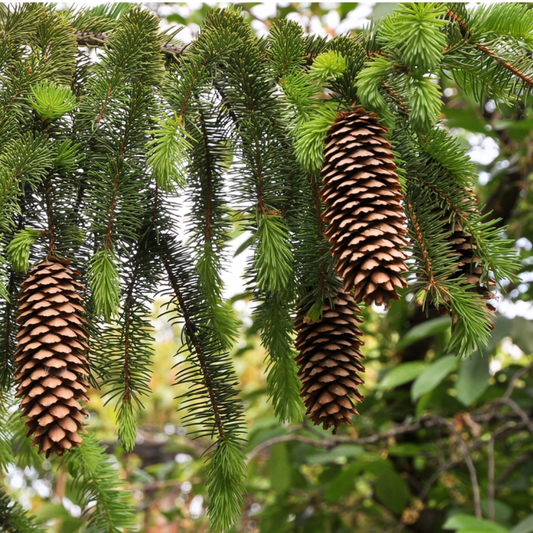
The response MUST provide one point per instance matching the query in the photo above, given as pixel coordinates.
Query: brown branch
(515, 378)
(454, 462)
(400, 103)
(465, 31)
(490, 478)
(515, 465)
(50, 214)
(189, 325)
(518, 73)
(520, 412)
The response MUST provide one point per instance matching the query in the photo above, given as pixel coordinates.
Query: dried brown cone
(366, 218)
(329, 362)
(50, 356)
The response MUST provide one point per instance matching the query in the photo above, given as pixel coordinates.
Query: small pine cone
(366, 218)
(50, 356)
(329, 361)
(465, 250)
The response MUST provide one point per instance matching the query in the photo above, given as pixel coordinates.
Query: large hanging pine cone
(50, 356)
(329, 361)
(366, 217)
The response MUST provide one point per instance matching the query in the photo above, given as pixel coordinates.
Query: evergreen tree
(331, 153)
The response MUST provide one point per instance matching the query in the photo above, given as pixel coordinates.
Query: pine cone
(466, 252)
(366, 219)
(329, 362)
(50, 356)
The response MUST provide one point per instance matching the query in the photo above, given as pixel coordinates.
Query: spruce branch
(94, 479)
(468, 32)
(171, 51)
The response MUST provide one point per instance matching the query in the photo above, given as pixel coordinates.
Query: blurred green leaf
(469, 524)
(342, 451)
(342, 485)
(424, 330)
(466, 118)
(280, 468)
(473, 378)
(402, 374)
(392, 490)
(432, 376)
(522, 334)
(525, 526)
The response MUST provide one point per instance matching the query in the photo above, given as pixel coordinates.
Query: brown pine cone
(366, 218)
(50, 356)
(329, 362)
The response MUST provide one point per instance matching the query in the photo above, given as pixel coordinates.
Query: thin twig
(465, 32)
(514, 380)
(519, 411)
(490, 481)
(468, 461)
(515, 465)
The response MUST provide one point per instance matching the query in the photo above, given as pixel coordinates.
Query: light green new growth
(225, 474)
(168, 153)
(413, 33)
(327, 65)
(309, 144)
(51, 101)
(273, 260)
(426, 103)
(127, 425)
(95, 480)
(18, 251)
(104, 281)
(370, 81)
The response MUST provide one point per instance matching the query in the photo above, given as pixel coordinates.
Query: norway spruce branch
(502, 43)
(125, 349)
(95, 479)
(209, 225)
(438, 276)
(118, 175)
(257, 116)
(209, 373)
(450, 177)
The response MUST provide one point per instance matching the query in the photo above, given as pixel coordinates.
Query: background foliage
(442, 444)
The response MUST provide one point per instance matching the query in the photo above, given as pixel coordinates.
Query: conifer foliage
(332, 156)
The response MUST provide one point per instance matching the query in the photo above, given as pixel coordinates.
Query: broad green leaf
(424, 330)
(522, 334)
(402, 374)
(464, 523)
(525, 526)
(502, 511)
(392, 490)
(467, 118)
(280, 468)
(343, 484)
(473, 378)
(432, 376)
